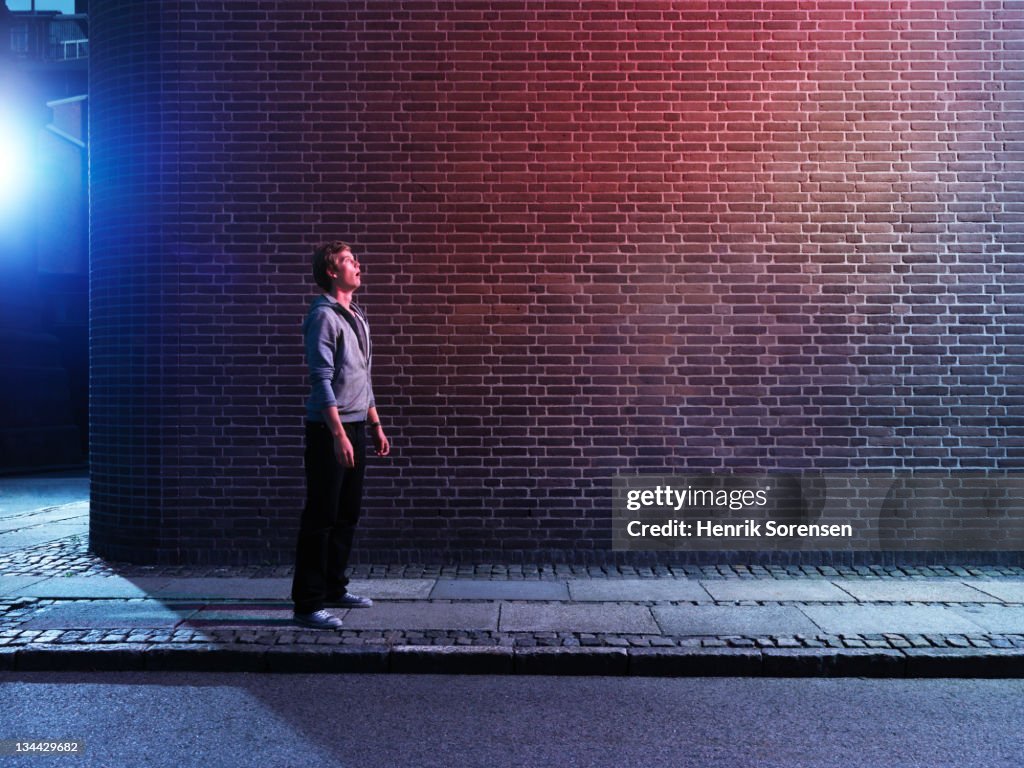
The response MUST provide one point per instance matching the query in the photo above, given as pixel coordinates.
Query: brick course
(597, 237)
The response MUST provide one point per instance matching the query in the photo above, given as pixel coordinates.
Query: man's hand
(380, 441)
(343, 450)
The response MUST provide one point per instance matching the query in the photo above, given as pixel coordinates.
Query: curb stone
(503, 660)
(571, 661)
(964, 662)
(338, 659)
(695, 662)
(203, 657)
(452, 660)
(112, 657)
(833, 662)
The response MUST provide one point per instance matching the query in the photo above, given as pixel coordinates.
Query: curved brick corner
(134, 239)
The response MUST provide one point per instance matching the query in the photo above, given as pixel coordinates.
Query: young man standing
(340, 409)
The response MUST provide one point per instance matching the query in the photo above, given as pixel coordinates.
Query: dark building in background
(596, 238)
(43, 240)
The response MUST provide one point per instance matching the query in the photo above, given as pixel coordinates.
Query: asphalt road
(365, 721)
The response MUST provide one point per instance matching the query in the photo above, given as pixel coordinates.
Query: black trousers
(334, 496)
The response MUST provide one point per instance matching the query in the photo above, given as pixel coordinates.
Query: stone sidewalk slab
(732, 620)
(246, 616)
(604, 617)
(15, 586)
(44, 534)
(880, 619)
(471, 589)
(1007, 591)
(280, 589)
(802, 591)
(226, 589)
(59, 587)
(392, 589)
(70, 514)
(998, 619)
(916, 590)
(212, 588)
(110, 614)
(422, 616)
(613, 590)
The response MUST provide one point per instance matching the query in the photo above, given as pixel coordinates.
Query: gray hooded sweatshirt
(338, 354)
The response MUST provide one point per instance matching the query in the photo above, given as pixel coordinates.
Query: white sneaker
(318, 620)
(348, 600)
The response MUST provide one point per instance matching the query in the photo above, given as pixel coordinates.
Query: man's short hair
(325, 258)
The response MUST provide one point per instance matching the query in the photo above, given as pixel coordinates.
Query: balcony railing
(49, 36)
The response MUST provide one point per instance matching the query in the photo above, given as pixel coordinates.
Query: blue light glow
(15, 167)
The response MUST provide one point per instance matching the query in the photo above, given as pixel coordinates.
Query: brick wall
(134, 304)
(597, 237)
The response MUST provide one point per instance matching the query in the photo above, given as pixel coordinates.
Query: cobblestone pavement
(285, 635)
(63, 607)
(71, 555)
(264, 625)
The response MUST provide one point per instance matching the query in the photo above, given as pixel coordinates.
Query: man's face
(348, 276)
